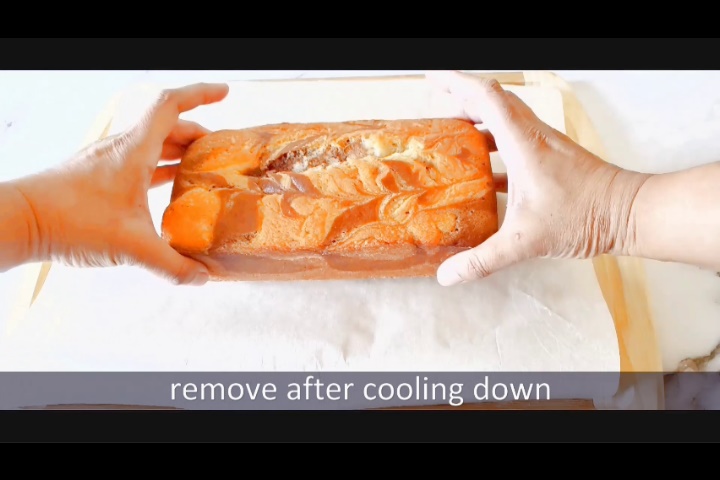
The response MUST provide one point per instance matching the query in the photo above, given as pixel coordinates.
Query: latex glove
(93, 210)
(563, 201)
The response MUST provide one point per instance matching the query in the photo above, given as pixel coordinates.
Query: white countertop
(651, 121)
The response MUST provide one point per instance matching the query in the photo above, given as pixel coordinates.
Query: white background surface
(651, 121)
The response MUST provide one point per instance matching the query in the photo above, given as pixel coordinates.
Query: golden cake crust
(358, 199)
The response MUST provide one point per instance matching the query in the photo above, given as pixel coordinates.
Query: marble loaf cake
(350, 200)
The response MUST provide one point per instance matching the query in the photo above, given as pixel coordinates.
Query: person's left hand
(93, 210)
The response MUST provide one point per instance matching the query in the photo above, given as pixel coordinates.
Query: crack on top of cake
(299, 160)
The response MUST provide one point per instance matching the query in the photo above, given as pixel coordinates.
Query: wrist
(37, 193)
(624, 190)
(19, 232)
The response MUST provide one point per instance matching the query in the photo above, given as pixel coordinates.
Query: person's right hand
(92, 211)
(563, 201)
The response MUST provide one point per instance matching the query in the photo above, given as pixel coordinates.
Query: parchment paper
(539, 316)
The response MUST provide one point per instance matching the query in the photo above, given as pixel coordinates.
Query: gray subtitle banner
(295, 390)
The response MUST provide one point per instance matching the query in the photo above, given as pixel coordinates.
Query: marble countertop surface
(653, 121)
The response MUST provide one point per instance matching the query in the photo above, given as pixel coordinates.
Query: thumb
(161, 258)
(497, 252)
